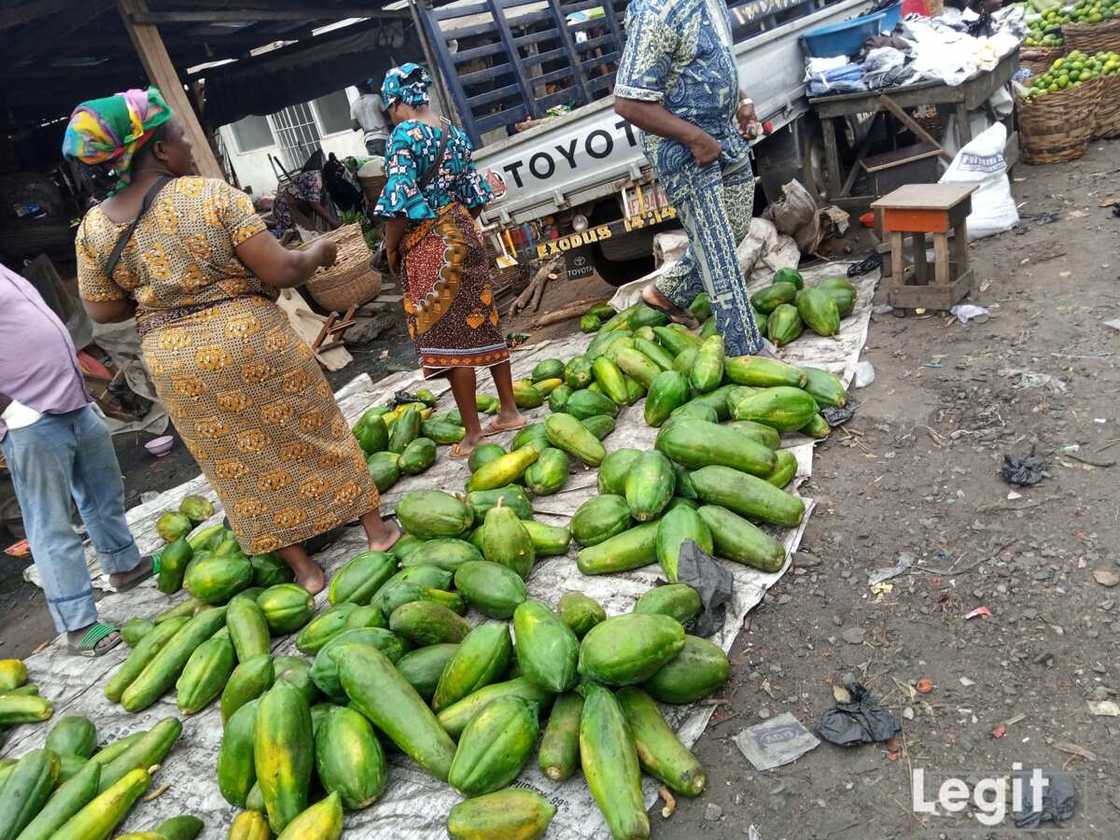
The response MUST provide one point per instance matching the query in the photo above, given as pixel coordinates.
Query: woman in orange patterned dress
(242, 388)
(431, 198)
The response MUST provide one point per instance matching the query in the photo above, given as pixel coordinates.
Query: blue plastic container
(844, 38)
(891, 19)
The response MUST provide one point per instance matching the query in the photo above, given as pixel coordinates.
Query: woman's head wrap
(408, 83)
(113, 129)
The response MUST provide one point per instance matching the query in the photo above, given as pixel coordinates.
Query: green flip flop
(99, 639)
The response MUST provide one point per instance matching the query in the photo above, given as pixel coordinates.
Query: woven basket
(1058, 126)
(1108, 108)
(372, 187)
(1092, 37)
(1039, 59)
(349, 282)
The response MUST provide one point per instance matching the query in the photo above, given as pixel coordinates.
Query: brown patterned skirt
(448, 302)
(249, 400)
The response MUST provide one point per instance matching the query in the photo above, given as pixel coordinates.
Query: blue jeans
(58, 457)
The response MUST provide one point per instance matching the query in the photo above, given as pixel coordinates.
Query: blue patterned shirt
(412, 149)
(678, 53)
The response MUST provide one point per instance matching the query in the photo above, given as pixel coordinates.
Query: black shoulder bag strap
(122, 242)
(433, 170)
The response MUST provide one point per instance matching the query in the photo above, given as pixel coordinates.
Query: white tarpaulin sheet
(414, 806)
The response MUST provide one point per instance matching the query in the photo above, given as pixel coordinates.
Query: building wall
(253, 168)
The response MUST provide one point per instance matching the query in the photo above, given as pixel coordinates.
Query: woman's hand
(748, 120)
(328, 252)
(705, 148)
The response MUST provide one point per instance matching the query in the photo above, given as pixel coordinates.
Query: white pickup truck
(578, 182)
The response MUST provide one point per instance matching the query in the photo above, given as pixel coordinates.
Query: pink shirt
(38, 362)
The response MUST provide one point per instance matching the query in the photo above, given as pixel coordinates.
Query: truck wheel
(619, 273)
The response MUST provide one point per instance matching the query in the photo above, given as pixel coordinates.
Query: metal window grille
(297, 134)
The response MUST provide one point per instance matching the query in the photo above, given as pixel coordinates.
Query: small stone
(1106, 577)
(764, 713)
(1101, 692)
(908, 713)
(853, 635)
(838, 621)
(712, 812)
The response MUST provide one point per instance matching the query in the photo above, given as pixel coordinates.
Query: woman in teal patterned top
(431, 200)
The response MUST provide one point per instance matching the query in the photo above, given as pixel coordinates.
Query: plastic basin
(844, 38)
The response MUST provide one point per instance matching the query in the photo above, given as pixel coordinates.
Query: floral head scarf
(408, 83)
(113, 129)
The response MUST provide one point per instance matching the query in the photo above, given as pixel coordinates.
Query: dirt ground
(917, 473)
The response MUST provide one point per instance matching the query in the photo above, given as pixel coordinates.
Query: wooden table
(960, 100)
(936, 211)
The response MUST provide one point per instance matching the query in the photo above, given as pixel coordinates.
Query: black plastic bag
(1023, 470)
(1059, 799)
(862, 721)
(711, 580)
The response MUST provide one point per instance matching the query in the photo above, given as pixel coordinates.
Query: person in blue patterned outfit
(431, 200)
(677, 81)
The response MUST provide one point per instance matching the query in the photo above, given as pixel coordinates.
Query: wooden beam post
(161, 72)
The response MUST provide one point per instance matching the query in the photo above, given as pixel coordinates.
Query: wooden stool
(333, 330)
(921, 210)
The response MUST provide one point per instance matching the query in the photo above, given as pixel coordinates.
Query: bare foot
(311, 577)
(652, 297)
(506, 422)
(384, 537)
(466, 446)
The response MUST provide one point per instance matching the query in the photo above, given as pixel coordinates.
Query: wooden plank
(558, 98)
(603, 82)
(831, 157)
(452, 12)
(550, 34)
(491, 96)
(930, 297)
(903, 220)
(443, 95)
(463, 56)
(942, 264)
(47, 35)
(926, 197)
(612, 18)
(861, 153)
(562, 74)
(251, 15)
(508, 116)
(913, 125)
(918, 256)
(898, 259)
(28, 12)
(960, 247)
(488, 74)
(979, 90)
(161, 72)
(580, 89)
